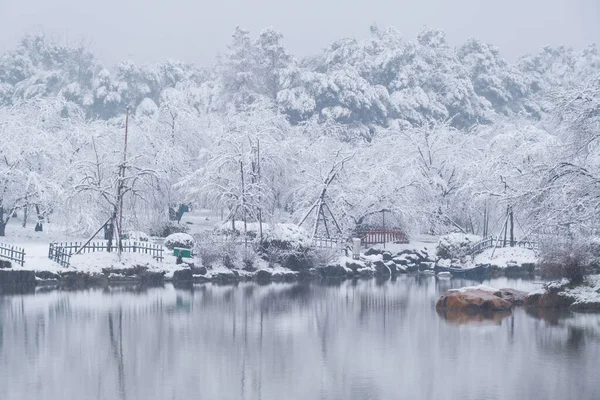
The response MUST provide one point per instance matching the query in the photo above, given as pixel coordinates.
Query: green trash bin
(185, 253)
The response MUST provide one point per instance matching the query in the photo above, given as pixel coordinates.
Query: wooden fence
(489, 242)
(62, 252)
(320, 242)
(13, 253)
(371, 236)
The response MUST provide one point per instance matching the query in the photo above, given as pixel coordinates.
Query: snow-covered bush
(455, 245)
(179, 240)
(137, 236)
(572, 259)
(288, 245)
(168, 228)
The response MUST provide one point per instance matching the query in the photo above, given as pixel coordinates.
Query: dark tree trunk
(25, 215)
(3, 222)
(109, 231)
(39, 227)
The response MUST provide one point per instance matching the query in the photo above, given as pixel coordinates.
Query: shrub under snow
(183, 240)
(137, 236)
(455, 245)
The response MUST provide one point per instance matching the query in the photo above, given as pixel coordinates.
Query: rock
(226, 277)
(381, 269)
(387, 256)
(17, 278)
(366, 272)
(5, 264)
(47, 275)
(333, 270)
(355, 266)
(426, 265)
(517, 297)
(548, 298)
(400, 261)
(372, 251)
(199, 270)
(309, 274)
(587, 306)
(412, 267)
(392, 266)
(183, 275)
(263, 275)
(200, 279)
(444, 274)
(81, 280)
(474, 299)
(152, 278)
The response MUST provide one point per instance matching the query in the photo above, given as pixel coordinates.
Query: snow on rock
(478, 287)
(586, 297)
(473, 298)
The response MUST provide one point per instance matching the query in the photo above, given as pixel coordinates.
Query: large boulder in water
(475, 299)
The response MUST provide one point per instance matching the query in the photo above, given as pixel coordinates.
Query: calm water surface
(363, 340)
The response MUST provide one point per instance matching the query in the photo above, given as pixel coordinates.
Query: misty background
(148, 31)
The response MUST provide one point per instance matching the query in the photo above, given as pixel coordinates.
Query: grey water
(350, 340)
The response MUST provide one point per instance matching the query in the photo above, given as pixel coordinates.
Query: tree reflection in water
(361, 339)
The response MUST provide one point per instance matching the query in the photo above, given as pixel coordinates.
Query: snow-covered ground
(36, 243)
(36, 252)
(504, 256)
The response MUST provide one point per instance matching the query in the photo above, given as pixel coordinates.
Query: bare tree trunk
(39, 227)
(484, 232)
(25, 215)
(512, 228)
(244, 204)
(3, 221)
(109, 233)
(259, 206)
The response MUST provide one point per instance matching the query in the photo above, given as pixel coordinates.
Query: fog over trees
(443, 137)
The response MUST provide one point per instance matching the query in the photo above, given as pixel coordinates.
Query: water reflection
(467, 317)
(351, 340)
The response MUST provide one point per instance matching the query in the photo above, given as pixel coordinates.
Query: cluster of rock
(562, 294)
(381, 263)
(552, 295)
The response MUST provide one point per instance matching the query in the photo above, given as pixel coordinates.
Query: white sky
(196, 30)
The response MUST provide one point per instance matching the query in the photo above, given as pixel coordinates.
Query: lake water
(361, 340)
